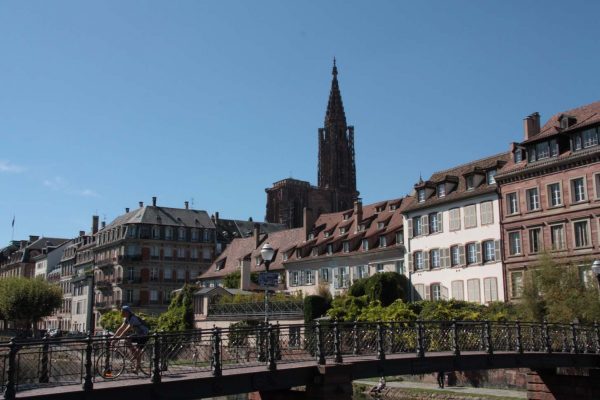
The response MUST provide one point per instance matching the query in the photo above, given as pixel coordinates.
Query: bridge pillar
(334, 382)
(547, 384)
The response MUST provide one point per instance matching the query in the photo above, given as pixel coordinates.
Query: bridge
(271, 359)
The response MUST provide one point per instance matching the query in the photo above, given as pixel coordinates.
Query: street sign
(268, 279)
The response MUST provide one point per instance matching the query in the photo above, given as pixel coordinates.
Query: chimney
(103, 224)
(33, 238)
(187, 205)
(216, 217)
(141, 204)
(81, 233)
(126, 210)
(95, 220)
(307, 221)
(153, 201)
(256, 234)
(23, 244)
(358, 212)
(531, 125)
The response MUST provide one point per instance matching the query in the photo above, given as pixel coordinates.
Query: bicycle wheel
(146, 361)
(109, 365)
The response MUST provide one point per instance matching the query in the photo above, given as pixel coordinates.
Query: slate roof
(229, 229)
(460, 191)
(166, 216)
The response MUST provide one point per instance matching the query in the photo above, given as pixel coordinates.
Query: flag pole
(12, 235)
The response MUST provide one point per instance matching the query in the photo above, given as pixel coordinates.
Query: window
(420, 291)
(361, 227)
(470, 182)
(491, 176)
(473, 290)
(194, 234)
(315, 251)
(154, 295)
(181, 234)
(155, 232)
(400, 267)
(470, 216)
(512, 203)
(181, 253)
(382, 241)
(514, 243)
(154, 274)
(399, 237)
(380, 225)
(257, 260)
(557, 236)
(434, 223)
(324, 275)
(380, 268)
(418, 260)
(194, 253)
(487, 213)
(310, 277)
(489, 251)
(417, 226)
(533, 199)
(361, 272)
(311, 236)
(129, 296)
(180, 275)
(535, 240)
(206, 254)
(342, 231)
(421, 195)
(295, 278)
(365, 244)
(471, 253)
(436, 292)
(597, 185)
(455, 256)
(581, 233)
(518, 155)
(154, 252)
(435, 258)
(516, 284)
(454, 219)
(329, 249)
(168, 233)
(346, 246)
(578, 190)
(490, 289)
(441, 190)
(458, 290)
(284, 255)
(167, 274)
(554, 195)
(130, 273)
(590, 138)
(326, 233)
(342, 280)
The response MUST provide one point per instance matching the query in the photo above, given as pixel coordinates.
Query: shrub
(385, 287)
(315, 307)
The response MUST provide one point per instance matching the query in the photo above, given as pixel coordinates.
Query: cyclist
(136, 332)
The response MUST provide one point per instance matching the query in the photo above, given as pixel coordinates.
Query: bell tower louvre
(336, 187)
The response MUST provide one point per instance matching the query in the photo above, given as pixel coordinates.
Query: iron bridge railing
(28, 364)
(257, 309)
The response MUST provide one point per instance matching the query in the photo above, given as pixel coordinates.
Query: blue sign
(268, 279)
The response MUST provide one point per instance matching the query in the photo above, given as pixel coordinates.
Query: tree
(315, 307)
(232, 280)
(386, 287)
(28, 300)
(180, 314)
(111, 320)
(555, 292)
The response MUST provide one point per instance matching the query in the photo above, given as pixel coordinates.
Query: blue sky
(104, 104)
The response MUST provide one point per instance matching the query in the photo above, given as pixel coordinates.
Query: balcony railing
(135, 257)
(104, 264)
(250, 310)
(104, 284)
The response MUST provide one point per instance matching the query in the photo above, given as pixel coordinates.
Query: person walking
(440, 379)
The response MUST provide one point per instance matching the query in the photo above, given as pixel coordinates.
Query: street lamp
(596, 270)
(267, 255)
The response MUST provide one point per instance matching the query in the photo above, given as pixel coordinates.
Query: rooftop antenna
(192, 202)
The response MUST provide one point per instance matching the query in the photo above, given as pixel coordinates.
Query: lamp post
(596, 270)
(267, 255)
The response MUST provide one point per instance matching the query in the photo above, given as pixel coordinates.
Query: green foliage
(111, 320)
(315, 307)
(358, 288)
(448, 310)
(386, 287)
(556, 293)
(180, 314)
(347, 308)
(28, 300)
(254, 277)
(258, 297)
(232, 281)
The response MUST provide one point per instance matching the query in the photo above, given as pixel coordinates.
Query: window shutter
(409, 226)
(443, 258)
(427, 292)
(440, 222)
(426, 260)
(478, 252)
(498, 254)
(425, 224)
(410, 262)
(444, 291)
(463, 260)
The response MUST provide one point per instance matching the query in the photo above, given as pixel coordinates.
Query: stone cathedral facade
(336, 189)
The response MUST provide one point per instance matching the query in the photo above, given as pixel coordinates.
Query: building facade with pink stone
(550, 194)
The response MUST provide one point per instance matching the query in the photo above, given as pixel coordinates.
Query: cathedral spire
(335, 115)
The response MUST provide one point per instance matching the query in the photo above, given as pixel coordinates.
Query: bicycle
(111, 364)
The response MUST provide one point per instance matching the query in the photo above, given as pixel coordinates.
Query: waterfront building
(452, 229)
(550, 192)
(18, 258)
(336, 188)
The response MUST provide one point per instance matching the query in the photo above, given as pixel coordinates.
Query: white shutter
(409, 226)
(473, 290)
(498, 252)
(410, 262)
(425, 224)
(440, 222)
(478, 255)
(427, 292)
(463, 260)
(426, 261)
(458, 292)
(444, 291)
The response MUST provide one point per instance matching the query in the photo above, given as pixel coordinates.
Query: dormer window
(327, 234)
(421, 195)
(329, 249)
(315, 251)
(379, 209)
(365, 244)
(284, 256)
(346, 246)
(382, 241)
(470, 182)
(567, 121)
(257, 260)
(393, 207)
(441, 190)
(346, 216)
(311, 236)
(342, 231)
(380, 225)
(399, 237)
(361, 227)
(298, 253)
(491, 176)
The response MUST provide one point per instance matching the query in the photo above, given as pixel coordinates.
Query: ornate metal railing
(257, 309)
(26, 364)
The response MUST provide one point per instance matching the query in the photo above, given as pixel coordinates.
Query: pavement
(517, 394)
